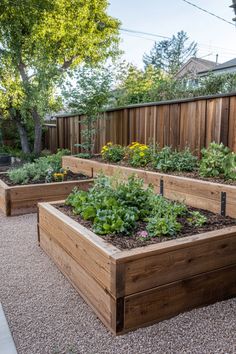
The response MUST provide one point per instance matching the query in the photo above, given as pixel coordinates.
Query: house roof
(228, 64)
(200, 63)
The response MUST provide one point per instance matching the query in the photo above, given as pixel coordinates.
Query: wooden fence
(190, 122)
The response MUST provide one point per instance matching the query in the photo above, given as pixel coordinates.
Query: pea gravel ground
(46, 315)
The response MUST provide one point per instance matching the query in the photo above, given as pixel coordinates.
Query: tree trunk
(37, 132)
(23, 138)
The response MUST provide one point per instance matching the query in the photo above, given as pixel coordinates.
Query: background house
(193, 66)
(229, 67)
(196, 67)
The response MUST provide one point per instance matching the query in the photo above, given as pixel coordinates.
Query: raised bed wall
(133, 288)
(17, 200)
(215, 197)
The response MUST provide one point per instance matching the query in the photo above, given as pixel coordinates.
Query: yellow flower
(141, 154)
(110, 143)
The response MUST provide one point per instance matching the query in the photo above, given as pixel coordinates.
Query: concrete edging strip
(7, 345)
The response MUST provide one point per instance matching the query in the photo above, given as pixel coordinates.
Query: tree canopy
(39, 41)
(169, 55)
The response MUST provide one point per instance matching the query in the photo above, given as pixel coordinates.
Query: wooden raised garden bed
(132, 288)
(215, 197)
(18, 200)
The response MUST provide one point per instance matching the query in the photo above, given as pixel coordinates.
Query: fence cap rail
(148, 104)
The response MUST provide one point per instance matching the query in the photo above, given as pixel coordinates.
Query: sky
(166, 18)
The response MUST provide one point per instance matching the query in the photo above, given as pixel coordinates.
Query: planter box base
(18, 200)
(138, 287)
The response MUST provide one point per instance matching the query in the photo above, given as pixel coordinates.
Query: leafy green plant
(115, 206)
(229, 166)
(43, 168)
(167, 159)
(218, 161)
(113, 152)
(83, 155)
(167, 226)
(197, 219)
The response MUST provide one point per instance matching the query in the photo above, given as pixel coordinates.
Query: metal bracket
(223, 203)
(162, 187)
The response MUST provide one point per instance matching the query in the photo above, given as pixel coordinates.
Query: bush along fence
(191, 122)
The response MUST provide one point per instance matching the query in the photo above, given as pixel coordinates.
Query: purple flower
(143, 234)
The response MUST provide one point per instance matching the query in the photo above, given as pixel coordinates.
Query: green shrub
(218, 161)
(43, 168)
(115, 207)
(167, 159)
(113, 152)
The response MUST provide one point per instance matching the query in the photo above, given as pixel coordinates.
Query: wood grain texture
(94, 294)
(18, 200)
(163, 266)
(87, 249)
(194, 123)
(133, 288)
(3, 197)
(169, 300)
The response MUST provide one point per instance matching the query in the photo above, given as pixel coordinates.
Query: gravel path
(47, 316)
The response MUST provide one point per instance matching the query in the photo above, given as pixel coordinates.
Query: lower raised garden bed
(133, 288)
(215, 197)
(18, 200)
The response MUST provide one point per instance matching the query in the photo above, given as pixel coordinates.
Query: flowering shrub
(113, 152)
(138, 155)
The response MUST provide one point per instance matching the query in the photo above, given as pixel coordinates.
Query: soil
(193, 174)
(121, 241)
(70, 177)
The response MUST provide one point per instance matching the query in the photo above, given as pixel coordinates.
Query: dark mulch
(214, 222)
(194, 174)
(70, 177)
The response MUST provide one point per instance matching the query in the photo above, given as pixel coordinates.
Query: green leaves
(218, 161)
(167, 159)
(115, 206)
(39, 42)
(197, 219)
(88, 96)
(170, 54)
(113, 152)
(41, 169)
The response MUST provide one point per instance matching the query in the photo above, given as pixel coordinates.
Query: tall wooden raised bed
(129, 289)
(215, 197)
(17, 200)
